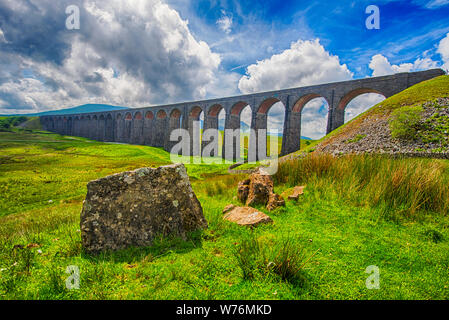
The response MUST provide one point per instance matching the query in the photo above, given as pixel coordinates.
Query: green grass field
(343, 223)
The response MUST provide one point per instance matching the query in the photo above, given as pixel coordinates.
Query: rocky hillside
(415, 121)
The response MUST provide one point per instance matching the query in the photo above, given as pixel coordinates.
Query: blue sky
(145, 52)
(409, 29)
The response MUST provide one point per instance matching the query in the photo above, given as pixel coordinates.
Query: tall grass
(284, 258)
(398, 187)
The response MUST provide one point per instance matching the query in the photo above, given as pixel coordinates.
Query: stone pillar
(137, 129)
(93, 128)
(291, 140)
(109, 129)
(231, 139)
(127, 131)
(210, 122)
(148, 132)
(257, 148)
(119, 128)
(69, 126)
(336, 116)
(160, 131)
(173, 124)
(101, 128)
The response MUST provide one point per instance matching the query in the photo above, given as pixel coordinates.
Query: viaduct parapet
(152, 125)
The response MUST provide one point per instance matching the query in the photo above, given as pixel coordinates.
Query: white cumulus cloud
(131, 53)
(305, 63)
(225, 23)
(381, 66)
(443, 50)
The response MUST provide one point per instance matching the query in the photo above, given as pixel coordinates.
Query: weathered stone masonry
(152, 126)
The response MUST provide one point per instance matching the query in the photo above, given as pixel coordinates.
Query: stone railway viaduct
(152, 125)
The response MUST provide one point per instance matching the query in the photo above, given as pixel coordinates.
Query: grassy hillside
(43, 183)
(424, 92)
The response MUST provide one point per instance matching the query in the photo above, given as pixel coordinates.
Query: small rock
(297, 191)
(260, 188)
(247, 216)
(275, 201)
(228, 208)
(243, 190)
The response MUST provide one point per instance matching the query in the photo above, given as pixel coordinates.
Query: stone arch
(161, 114)
(194, 127)
(233, 148)
(138, 116)
(149, 115)
(212, 134)
(353, 94)
(215, 110)
(175, 114)
(361, 103)
(316, 109)
(302, 101)
(338, 113)
(265, 106)
(300, 113)
(265, 122)
(195, 112)
(175, 119)
(238, 107)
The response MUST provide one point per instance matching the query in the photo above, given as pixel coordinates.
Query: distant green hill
(75, 110)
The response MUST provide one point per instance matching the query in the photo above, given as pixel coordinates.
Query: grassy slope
(35, 168)
(417, 94)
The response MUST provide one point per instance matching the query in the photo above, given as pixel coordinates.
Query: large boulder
(132, 208)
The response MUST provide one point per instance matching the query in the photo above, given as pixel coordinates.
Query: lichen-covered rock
(275, 201)
(243, 190)
(246, 216)
(132, 208)
(228, 208)
(259, 190)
